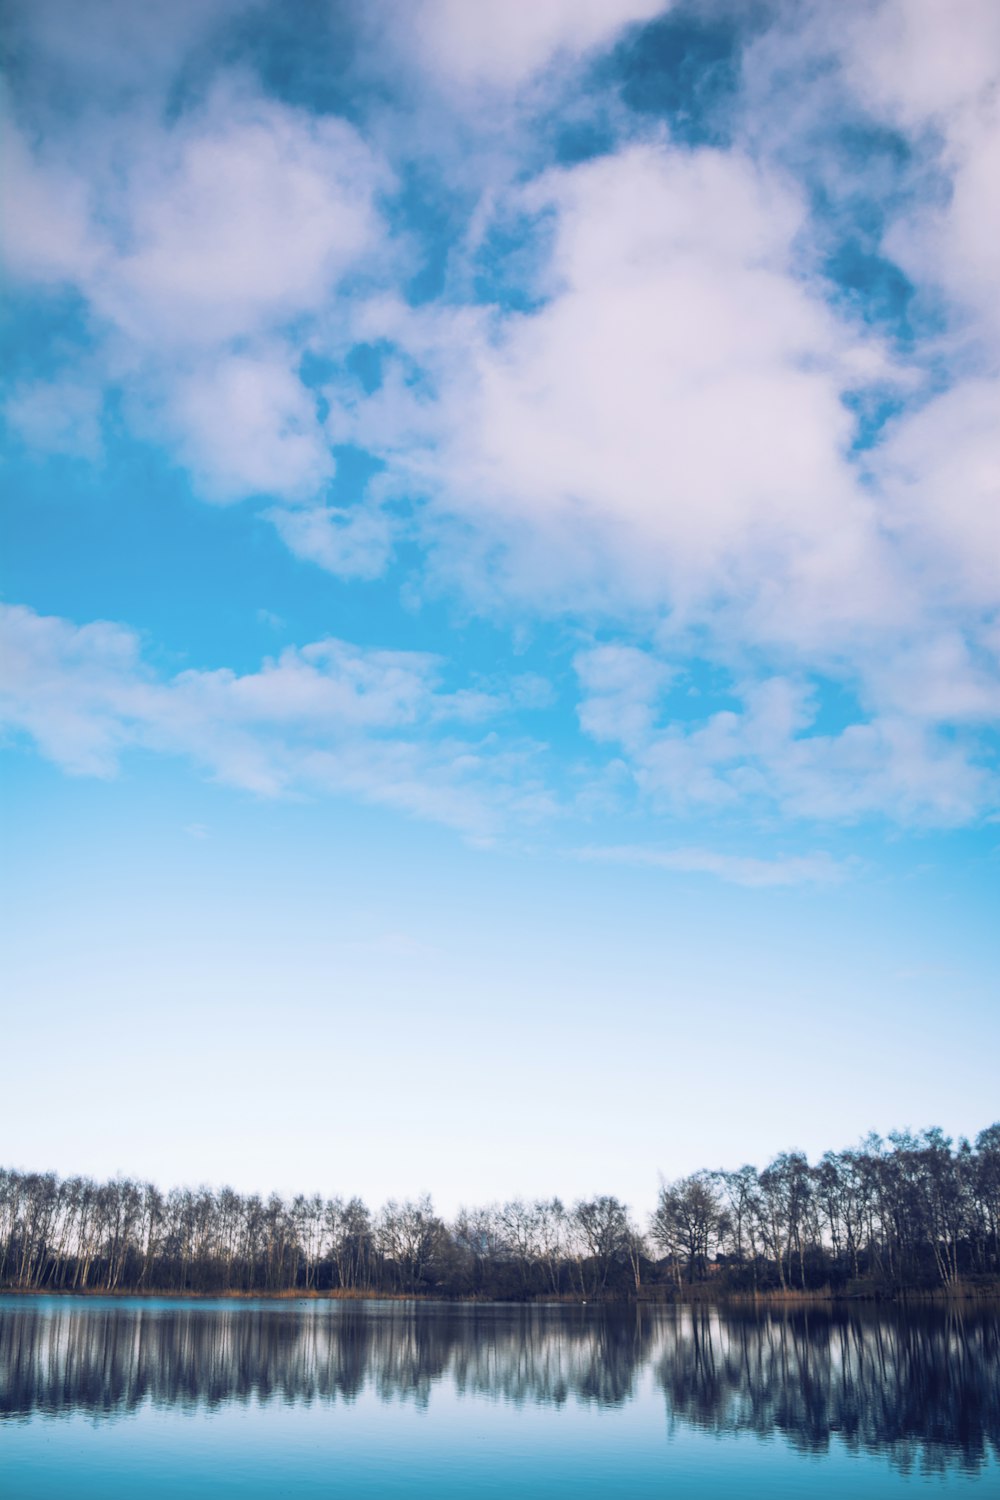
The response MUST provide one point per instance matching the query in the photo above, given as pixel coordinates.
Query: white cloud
(70, 688)
(622, 686)
(939, 469)
(932, 68)
(665, 441)
(505, 45)
(327, 717)
(50, 238)
(195, 244)
(736, 869)
(942, 679)
(245, 424)
(922, 59)
(769, 755)
(244, 214)
(929, 72)
(350, 543)
(668, 428)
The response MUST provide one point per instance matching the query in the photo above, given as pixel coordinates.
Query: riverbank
(969, 1288)
(657, 1294)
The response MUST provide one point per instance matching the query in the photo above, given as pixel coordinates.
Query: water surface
(117, 1398)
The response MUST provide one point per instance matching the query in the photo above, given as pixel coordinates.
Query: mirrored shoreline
(919, 1388)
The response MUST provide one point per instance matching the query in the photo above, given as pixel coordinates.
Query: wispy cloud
(907, 763)
(57, 416)
(327, 717)
(736, 869)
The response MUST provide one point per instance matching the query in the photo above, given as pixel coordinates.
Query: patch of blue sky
(868, 284)
(581, 140)
(307, 55)
(684, 68)
(434, 213)
(128, 541)
(872, 409)
(364, 362)
(509, 263)
(44, 332)
(864, 281)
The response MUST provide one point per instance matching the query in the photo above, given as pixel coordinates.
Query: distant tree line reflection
(911, 1211)
(922, 1389)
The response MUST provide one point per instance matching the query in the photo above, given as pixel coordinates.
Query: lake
(114, 1398)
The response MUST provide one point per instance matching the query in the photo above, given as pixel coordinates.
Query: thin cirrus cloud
(57, 416)
(736, 869)
(329, 717)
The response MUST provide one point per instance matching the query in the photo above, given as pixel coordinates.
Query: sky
(500, 595)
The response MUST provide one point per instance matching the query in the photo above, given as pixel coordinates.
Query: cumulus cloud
(939, 471)
(238, 214)
(770, 755)
(243, 214)
(928, 70)
(245, 424)
(209, 235)
(923, 77)
(330, 717)
(670, 422)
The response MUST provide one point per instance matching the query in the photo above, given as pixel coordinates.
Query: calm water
(122, 1398)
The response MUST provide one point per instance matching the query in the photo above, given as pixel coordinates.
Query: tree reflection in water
(918, 1386)
(915, 1386)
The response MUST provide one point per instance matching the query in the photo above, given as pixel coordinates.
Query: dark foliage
(913, 1211)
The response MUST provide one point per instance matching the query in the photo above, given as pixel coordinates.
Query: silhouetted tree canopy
(910, 1211)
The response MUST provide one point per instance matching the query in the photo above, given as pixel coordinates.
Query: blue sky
(500, 587)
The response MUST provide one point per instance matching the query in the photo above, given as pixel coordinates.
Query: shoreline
(653, 1296)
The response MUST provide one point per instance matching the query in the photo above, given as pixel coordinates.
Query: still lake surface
(115, 1398)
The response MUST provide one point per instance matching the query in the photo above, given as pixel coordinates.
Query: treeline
(913, 1211)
